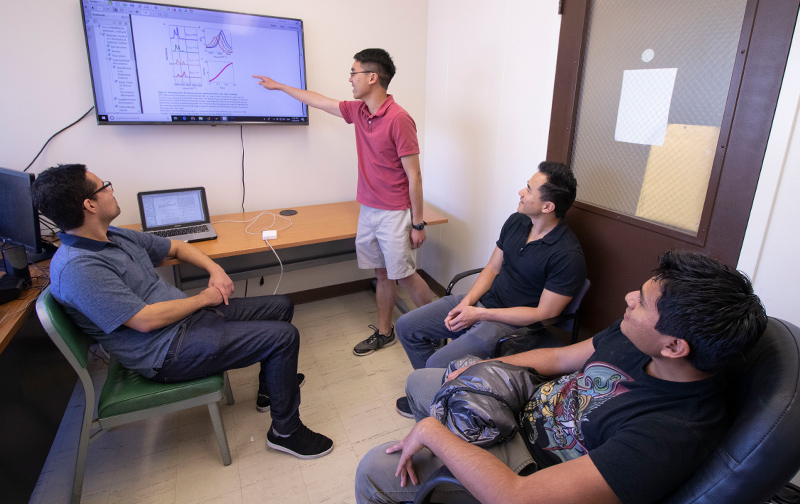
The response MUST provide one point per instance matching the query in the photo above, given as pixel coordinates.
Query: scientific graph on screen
(157, 63)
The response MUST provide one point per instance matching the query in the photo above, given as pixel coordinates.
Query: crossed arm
(489, 479)
(466, 314)
(158, 315)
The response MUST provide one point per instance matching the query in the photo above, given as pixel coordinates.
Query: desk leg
(401, 305)
(176, 275)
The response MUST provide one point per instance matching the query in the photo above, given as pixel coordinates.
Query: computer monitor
(19, 220)
(164, 64)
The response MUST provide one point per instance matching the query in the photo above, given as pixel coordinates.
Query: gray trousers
(375, 479)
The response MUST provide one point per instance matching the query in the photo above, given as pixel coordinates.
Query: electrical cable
(48, 224)
(241, 138)
(47, 220)
(254, 219)
(247, 230)
(54, 135)
(279, 262)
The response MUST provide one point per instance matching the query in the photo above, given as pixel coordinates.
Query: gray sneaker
(374, 342)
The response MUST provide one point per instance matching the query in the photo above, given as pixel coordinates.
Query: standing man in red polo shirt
(390, 225)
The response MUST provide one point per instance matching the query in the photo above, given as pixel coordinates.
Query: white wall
(491, 67)
(46, 85)
(771, 244)
(477, 77)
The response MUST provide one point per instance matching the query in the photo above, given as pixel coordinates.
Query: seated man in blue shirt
(105, 279)
(628, 416)
(537, 266)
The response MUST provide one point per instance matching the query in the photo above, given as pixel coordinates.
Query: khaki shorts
(383, 240)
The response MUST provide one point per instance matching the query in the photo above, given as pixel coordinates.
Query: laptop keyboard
(166, 233)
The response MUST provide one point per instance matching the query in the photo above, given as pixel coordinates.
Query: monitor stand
(48, 249)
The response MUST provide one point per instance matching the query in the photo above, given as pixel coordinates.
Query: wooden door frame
(762, 52)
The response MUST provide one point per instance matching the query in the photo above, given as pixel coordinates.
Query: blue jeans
(246, 331)
(418, 329)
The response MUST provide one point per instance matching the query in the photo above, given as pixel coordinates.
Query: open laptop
(177, 214)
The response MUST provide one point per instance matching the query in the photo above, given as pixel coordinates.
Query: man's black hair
(378, 61)
(711, 306)
(58, 193)
(560, 188)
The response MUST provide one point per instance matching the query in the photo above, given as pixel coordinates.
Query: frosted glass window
(656, 169)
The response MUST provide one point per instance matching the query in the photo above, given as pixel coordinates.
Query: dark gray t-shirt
(103, 284)
(646, 436)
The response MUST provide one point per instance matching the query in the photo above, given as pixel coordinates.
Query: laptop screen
(174, 207)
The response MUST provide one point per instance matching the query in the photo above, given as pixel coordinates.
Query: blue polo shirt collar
(84, 243)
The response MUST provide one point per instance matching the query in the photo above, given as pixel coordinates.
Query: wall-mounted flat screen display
(167, 64)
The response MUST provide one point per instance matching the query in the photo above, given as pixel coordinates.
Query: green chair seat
(126, 391)
(126, 396)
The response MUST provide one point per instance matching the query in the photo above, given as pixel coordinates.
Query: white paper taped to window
(644, 105)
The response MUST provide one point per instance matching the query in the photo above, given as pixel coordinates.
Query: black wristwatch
(419, 227)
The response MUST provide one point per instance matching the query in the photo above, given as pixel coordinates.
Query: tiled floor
(175, 459)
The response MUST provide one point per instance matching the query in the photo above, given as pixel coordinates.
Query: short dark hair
(560, 188)
(58, 193)
(709, 305)
(378, 61)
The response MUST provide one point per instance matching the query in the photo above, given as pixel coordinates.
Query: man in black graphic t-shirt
(632, 414)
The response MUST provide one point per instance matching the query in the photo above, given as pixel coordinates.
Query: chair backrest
(68, 337)
(572, 308)
(760, 452)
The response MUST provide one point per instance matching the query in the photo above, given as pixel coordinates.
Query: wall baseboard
(343, 289)
(435, 286)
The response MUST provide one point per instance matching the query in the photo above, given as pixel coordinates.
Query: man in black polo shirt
(535, 270)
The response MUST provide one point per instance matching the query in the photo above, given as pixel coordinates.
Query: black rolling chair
(535, 335)
(761, 451)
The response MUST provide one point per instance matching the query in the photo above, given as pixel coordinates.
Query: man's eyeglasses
(352, 73)
(105, 185)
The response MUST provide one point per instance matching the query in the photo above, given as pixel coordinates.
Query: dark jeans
(246, 331)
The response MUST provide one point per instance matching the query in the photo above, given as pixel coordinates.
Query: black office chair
(535, 335)
(760, 452)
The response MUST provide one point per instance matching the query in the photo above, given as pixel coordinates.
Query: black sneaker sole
(404, 413)
(401, 411)
(265, 409)
(370, 352)
(298, 455)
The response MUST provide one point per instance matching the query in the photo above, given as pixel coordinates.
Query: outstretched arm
(546, 361)
(310, 98)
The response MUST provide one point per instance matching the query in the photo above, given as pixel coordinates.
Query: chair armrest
(535, 330)
(442, 476)
(554, 320)
(458, 277)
